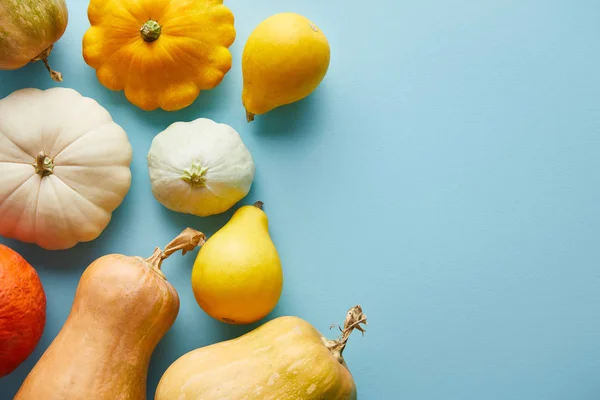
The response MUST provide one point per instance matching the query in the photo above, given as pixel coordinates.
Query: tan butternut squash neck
(354, 319)
(185, 241)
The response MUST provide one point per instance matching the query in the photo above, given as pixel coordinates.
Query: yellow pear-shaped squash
(162, 53)
(237, 276)
(284, 60)
(284, 359)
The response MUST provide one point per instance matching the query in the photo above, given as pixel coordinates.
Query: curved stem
(354, 319)
(55, 75)
(186, 241)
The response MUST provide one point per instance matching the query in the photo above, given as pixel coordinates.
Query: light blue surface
(445, 175)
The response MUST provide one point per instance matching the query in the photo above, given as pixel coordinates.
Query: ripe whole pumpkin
(64, 167)
(22, 310)
(28, 31)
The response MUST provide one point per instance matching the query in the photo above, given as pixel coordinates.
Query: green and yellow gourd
(28, 31)
(284, 359)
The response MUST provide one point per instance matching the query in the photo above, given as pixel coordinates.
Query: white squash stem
(43, 164)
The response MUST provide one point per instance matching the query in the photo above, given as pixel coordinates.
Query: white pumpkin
(200, 167)
(64, 167)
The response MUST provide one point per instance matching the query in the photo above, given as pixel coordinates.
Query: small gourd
(64, 167)
(284, 359)
(200, 167)
(123, 307)
(28, 31)
(162, 53)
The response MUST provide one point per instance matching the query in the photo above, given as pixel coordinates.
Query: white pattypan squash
(200, 167)
(64, 167)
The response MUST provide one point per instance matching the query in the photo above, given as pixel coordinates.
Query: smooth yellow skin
(284, 359)
(191, 54)
(237, 276)
(285, 59)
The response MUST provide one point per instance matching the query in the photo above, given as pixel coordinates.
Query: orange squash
(123, 307)
(22, 310)
(162, 53)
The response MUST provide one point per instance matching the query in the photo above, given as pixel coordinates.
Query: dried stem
(186, 241)
(55, 75)
(249, 116)
(259, 204)
(354, 319)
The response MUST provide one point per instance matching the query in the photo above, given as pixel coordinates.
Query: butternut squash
(284, 359)
(123, 307)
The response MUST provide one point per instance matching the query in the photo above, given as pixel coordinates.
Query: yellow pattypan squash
(162, 53)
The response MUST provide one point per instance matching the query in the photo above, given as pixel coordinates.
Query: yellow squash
(284, 60)
(162, 53)
(284, 359)
(237, 276)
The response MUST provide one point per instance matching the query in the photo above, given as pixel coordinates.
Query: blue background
(445, 176)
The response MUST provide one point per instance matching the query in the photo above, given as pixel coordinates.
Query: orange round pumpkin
(22, 310)
(162, 53)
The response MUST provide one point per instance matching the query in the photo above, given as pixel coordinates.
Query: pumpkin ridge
(180, 60)
(202, 82)
(215, 47)
(106, 61)
(37, 208)
(16, 144)
(222, 39)
(12, 194)
(80, 137)
(80, 195)
(119, 5)
(174, 9)
(114, 190)
(60, 207)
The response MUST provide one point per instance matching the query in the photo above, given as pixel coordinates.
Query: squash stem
(150, 31)
(249, 116)
(354, 319)
(195, 175)
(186, 241)
(55, 75)
(43, 164)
